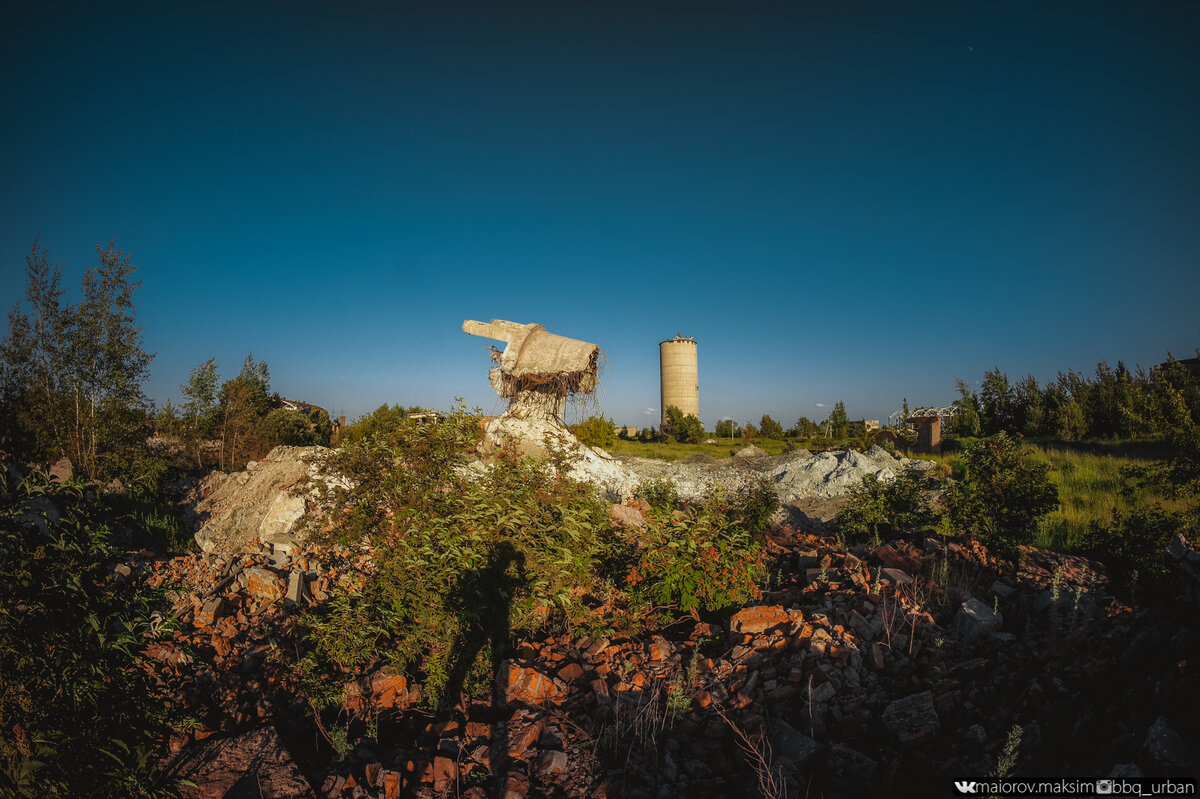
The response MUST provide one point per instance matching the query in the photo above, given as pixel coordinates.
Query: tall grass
(1089, 490)
(1088, 476)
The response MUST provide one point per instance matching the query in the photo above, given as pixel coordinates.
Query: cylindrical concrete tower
(679, 375)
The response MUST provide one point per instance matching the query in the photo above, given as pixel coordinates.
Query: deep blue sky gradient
(839, 200)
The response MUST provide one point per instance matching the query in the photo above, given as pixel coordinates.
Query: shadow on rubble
(482, 601)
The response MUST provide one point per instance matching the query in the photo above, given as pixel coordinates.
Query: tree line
(1113, 404)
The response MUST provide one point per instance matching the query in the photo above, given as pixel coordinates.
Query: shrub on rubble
(1002, 495)
(462, 559)
(875, 507)
(701, 559)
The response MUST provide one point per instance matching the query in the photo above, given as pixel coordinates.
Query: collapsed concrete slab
(537, 370)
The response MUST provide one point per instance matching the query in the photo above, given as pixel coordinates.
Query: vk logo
(964, 787)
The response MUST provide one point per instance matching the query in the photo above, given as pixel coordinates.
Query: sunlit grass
(1089, 490)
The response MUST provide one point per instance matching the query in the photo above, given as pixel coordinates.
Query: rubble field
(894, 670)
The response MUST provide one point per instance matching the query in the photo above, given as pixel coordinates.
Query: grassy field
(1088, 476)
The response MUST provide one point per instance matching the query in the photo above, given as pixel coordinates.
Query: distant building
(628, 431)
(297, 405)
(929, 433)
(1191, 364)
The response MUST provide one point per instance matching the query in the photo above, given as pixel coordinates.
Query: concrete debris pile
(836, 473)
(265, 502)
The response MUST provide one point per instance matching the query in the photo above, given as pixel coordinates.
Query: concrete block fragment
(297, 589)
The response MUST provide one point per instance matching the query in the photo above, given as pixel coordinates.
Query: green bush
(79, 715)
(464, 560)
(875, 507)
(661, 493)
(1001, 497)
(754, 507)
(596, 431)
(706, 560)
(461, 562)
(1134, 545)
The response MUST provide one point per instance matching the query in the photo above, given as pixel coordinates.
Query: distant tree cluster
(240, 421)
(686, 429)
(596, 431)
(1115, 403)
(384, 424)
(71, 374)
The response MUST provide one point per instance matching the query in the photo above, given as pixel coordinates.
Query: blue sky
(839, 200)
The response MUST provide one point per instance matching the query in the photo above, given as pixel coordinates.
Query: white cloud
(649, 411)
(820, 405)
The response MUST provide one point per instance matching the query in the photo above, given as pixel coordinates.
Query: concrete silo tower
(679, 375)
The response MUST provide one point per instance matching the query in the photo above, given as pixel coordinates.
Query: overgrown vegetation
(596, 431)
(700, 559)
(1002, 495)
(242, 421)
(71, 374)
(466, 560)
(686, 429)
(876, 509)
(80, 715)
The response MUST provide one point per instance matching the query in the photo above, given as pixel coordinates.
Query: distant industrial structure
(679, 375)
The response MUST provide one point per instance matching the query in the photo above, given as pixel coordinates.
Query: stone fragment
(522, 684)
(750, 621)
(445, 773)
(911, 718)
(660, 648)
(62, 470)
(391, 785)
(794, 752)
(281, 518)
(823, 692)
(264, 583)
(975, 619)
(297, 589)
(1166, 747)
(210, 611)
(897, 576)
(570, 672)
(516, 786)
(389, 690)
(623, 515)
(221, 767)
(894, 559)
(750, 452)
(554, 762)
(852, 770)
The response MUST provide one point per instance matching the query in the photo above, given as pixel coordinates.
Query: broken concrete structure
(537, 370)
(929, 433)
